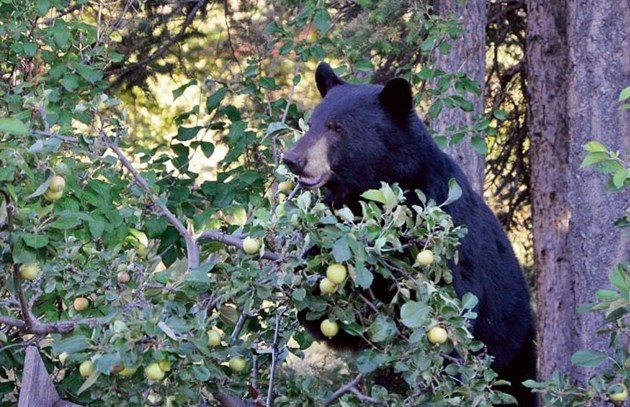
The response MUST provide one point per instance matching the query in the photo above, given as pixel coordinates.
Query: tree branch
(344, 389)
(162, 50)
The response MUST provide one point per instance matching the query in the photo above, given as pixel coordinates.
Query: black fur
(375, 135)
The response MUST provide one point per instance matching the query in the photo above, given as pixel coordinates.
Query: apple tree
(144, 282)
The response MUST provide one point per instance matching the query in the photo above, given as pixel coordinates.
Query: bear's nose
(293, 161)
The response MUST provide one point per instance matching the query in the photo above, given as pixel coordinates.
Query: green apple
(329, 328)
(214, 337)
(154, 372)
(86, 368)
(128, 371)
(437, 335)
(53, 195)
(29, 271)
(425, 257)
(327, 287)
(237, 363)
(251, 245)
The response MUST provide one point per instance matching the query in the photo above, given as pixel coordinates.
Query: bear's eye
(335, 127)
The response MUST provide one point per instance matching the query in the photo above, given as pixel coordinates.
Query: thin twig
(274, 359)
(344, 389)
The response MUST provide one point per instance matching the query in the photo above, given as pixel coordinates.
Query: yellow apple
(53, 195)
(86, 368)
(327, 287)
(329, 328)
(237, 363)
(425, 257)
(81, 303)
(154, 372)
(29, 271)
(437, 335)
(251, 245)
(128, 371)
(165, 365)
(285, 186)
(336, 273)
(56, 183)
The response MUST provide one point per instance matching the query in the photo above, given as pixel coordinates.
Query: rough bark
(468, 55)
(578, 57)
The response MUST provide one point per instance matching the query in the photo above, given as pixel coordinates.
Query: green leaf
(321, 19)
(464, 104)
(213, 101)
(369, 360)
(500, 115)
(620, 279)
(187, 133)
(435, 109)
(414, 314)
(619, 179)
(201, 373)
(374, 195)
(12, 125)
(67, 220)
(469, 301)
(595, 147)
(362, 276)
(382, 329)
(479, 145)
(96, 226)
(341, 251)
(34, 241)
(588, 358)
(454, 191)
(625, 94)
(593, 158)
(180, 91)
(73, 344)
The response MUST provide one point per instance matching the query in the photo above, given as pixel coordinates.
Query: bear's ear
(396, 97)
(326, 78)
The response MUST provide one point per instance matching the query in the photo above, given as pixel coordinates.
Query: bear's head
(359, 135)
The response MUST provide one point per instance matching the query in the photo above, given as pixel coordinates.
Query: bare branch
(162, 50)
(344, 389)
(274, 359)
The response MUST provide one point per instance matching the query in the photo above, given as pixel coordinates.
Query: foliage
(154, 243)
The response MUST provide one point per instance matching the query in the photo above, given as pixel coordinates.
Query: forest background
(166, 121)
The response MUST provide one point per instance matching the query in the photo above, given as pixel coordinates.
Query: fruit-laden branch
(192, 242)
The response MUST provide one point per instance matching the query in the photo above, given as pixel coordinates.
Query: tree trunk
(578, 57)
(468, 55)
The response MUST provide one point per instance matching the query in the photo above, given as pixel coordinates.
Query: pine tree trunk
(578, 57)
(468, 55)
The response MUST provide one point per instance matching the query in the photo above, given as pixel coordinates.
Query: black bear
(361, 135)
